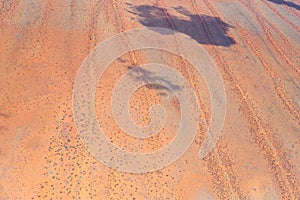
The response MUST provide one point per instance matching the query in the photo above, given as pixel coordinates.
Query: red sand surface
(255, 45)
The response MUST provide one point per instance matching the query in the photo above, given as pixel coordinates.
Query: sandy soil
(255, 45)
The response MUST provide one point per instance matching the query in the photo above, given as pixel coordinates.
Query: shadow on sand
(202, 28)
(287, 3)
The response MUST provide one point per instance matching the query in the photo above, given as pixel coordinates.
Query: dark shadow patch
(202, 28)
(287, 3)
(149, 77)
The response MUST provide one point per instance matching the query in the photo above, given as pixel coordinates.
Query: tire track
(45, 20)
(225, 157)
(93, 36)
(113, 190)
(136, 60)
(135, 57)
(186, 70)
(288, 104)
(275, 79)
(281, 16)
(121, 27)
(292, 10)
(261, 20)
(219, 167)
(272, 150)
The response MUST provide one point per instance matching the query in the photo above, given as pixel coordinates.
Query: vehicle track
(41, 53)
(281, 16)
(263, 22)
(219, 167)
(292, 10)
(281, 93)
(271, 73)
(276, 80)
(281, 168)
(92, 28)
(136, 60)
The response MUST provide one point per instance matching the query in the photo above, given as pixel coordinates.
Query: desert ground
(255, 46)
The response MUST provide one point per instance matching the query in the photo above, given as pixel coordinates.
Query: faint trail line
(134, 56)
(262, 21)
(135, 59)
(265, 140)
(93, 38)
(275, 79)
(92, 28)
(291, 10)
(232, 185)
(186, 69)
(281, 16)
(46, 16)
(224, 64)
(44, 23)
